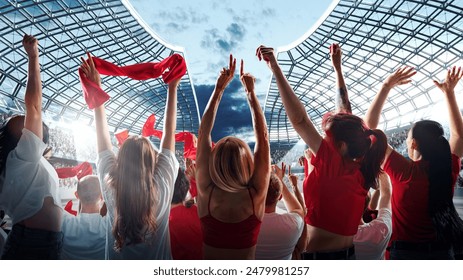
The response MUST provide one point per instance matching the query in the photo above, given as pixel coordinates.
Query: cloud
(179, 20)
(269, 12)
(224, 42)
(236, 31)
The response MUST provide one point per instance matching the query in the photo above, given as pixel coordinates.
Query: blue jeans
(403, 250)
(32, 244)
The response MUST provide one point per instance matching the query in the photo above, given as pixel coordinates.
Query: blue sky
(210, 30)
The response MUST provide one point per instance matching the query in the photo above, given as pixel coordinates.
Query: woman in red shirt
(346, 163)
(425, 222)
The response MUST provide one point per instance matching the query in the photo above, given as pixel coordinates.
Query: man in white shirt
(372, 238)
(85, 234)
(279, 233)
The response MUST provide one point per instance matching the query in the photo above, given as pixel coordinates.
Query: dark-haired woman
(425, 222)
(346, 163)
(28, 183)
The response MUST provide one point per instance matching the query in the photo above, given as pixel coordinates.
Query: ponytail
(435, 150)
(374, 157)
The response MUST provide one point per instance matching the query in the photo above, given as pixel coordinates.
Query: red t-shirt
(186, 237)
(410, 218)
(333, 192)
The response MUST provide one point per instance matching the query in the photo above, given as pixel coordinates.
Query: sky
(210, 30)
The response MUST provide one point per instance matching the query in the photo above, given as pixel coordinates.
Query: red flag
(121, 136)
(68, 208)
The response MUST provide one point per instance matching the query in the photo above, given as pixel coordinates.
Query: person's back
(279, 232)
(85, 234)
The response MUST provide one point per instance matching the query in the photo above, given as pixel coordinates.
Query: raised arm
(292, 204)
(293, 106)
(101, 123)
(456, 122)
(33, 96)
(170, 117)
(301, 243)
(207, 123)
(385, 188)
(400, 77)
(342, 97)
(261, 175)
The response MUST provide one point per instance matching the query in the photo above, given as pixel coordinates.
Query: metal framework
(66, 29)
(377, 37)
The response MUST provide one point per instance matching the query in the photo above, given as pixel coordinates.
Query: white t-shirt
(84, 236)
(278, 236)
(28, 180)
(371, 239)
(165, 173)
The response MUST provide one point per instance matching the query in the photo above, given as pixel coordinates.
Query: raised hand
(400, 77)
(336, 55)
(89, 69)
(280, 172)
(31, 45)
(267, 54)
(246, 79)
(453, 76)
(226, 75)
(190, 172)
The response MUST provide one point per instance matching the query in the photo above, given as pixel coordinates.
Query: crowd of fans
(223, 200)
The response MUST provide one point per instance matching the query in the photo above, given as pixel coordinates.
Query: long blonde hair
(231, 164)
(132, 180)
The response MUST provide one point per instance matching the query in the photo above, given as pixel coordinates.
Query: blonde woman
(232, 183)
(137, 185)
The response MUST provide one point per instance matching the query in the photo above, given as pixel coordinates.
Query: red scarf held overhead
(95, 96)
(80, 171)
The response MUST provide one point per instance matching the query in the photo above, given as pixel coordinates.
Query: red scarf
(95, 96)
(80, 171)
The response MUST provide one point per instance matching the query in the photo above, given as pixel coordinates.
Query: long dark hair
(363, 144)
(435, 150)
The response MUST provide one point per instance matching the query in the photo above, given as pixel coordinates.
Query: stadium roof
(377, 37)
(110, 29)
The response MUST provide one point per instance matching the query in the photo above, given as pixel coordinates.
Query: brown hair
(275, 187)
(365, 145)
(135, 193)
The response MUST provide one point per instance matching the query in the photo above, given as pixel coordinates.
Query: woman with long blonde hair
(137, 185)
(232, 183)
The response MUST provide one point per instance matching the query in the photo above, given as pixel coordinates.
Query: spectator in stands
(28, 183)
(372, 238)
(425, 222)
(232, 184)
(346, 165)
(137, 186)
(279, 233)
(85, 234)
(186, 240)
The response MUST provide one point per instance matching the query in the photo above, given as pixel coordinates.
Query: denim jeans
(32, 244)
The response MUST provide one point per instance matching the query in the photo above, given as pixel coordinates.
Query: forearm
(33, 98)
(170, 119)
(342, 97)
(259, 122)
(102, 130)
(293, 106)
(374, 111)
(455, 119)
(291, 202)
